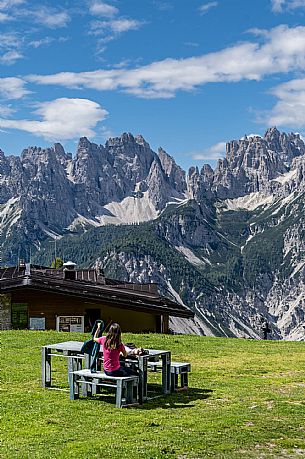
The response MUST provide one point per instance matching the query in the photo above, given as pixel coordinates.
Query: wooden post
(166, 372)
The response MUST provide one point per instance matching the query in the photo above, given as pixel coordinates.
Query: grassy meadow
(246, 400)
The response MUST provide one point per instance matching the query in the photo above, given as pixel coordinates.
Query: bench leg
(94, 386)
(86, 388)
(174, 382)
(132, 392)
(184, 380)
(135, 391)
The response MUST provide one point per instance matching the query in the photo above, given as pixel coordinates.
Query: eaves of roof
(96, 293)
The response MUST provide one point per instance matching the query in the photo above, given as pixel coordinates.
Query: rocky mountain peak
(141, 141)
(83, 143)
(59, 149)
(175, 174)
(272, 134)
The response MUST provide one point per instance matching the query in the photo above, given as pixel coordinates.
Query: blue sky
(188, 75)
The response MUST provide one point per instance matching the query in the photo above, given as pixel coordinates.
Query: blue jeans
(122, 371)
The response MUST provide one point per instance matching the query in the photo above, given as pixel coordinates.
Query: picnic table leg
(142, 378)
(119, 394)
(70, 362)
(129, 389)
(78, 363)
(87, 360)
(46, 367)
(74, 386)
(166, 373)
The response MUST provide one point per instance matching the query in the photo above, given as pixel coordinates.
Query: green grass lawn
(246, 400)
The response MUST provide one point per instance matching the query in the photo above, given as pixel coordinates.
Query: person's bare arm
(95, 338)
(124, 352)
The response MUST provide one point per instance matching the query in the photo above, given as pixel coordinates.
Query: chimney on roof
(69, 270)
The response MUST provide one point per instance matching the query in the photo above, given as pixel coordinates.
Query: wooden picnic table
(155, 355)
(67, 349)
(72, 351)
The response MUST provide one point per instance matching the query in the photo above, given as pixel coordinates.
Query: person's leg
(128, 371)
(118, 372)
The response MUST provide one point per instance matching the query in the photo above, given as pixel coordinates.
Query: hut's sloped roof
(89, 285)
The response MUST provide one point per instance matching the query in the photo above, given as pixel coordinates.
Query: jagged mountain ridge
(212, 222)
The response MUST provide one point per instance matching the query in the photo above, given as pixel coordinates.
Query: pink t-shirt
(111, 356)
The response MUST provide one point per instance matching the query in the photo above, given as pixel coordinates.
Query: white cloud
(49, 17)
(103, 9)
(112, 26)
(10, 46)
(279, 6)
(280, 50)
(212, 153)
(6, 110)
(7, 4)
(10, 40)
(12, 88)
(62, 119)
(124, 25)
(10, 57)
(112, 29)
(207, 6)
(41, 42)
(290, 108)
(4, 17)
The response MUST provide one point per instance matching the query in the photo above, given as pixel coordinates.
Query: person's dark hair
(113, 338)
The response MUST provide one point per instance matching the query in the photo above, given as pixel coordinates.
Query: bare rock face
(234, 235)
(173, 172)
(45, 190)
(250, 165)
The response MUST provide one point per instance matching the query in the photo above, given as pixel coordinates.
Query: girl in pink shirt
(112, 348)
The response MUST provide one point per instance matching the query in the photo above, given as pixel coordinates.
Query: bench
(126, 386)
(182, 369)
(177, 368)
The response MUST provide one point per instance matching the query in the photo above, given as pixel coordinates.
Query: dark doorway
(91, 315)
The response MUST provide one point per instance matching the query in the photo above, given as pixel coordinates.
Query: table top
(66, 346)
(77, 345)
(156, 352)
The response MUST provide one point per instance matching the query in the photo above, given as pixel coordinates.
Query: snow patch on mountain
(284, 178)
(189, 255)
(10, 213)
(133, 209)
(249, 202)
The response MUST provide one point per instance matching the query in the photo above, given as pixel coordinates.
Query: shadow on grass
(156, 399)
(181, 399)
